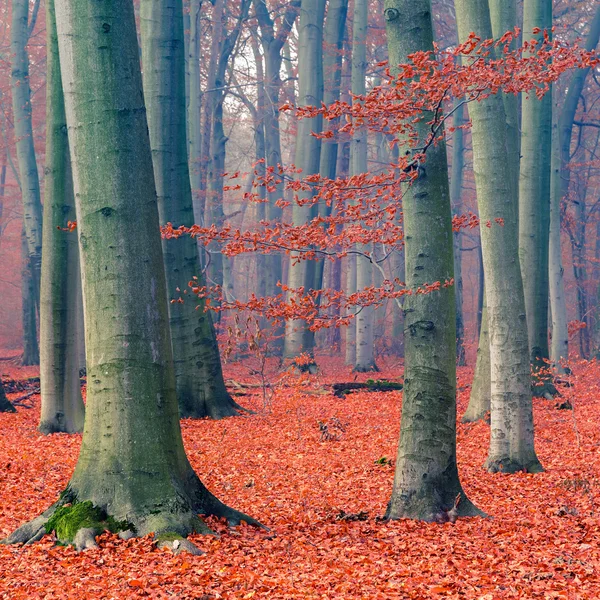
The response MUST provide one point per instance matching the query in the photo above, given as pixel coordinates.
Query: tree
(132, 473)
(426, 483)
(365, 351)
(511, 439)
(5, 405)
(21, 29)
(298, 337)
(62, 405)
(200, 387)
(534, 202)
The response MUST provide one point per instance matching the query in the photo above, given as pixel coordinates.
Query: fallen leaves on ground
(542, 542)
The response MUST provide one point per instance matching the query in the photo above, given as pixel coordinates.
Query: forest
(300, 299)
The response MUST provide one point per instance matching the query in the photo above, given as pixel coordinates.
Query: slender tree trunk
(456, 184)
(561, 176)
(132, 464)
(426, 482)
(480, 397)
(200, 387)
(365, 351)
(534, 203)
(62, 405)
(29, 178)
(298, 338)
(512, 434)
(31, 351)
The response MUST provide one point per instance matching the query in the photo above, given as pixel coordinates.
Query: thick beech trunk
(62, 405)
(28, 173)
(426, 482)
(200, 387)
(132, 464)
(534, 198)
(298, 338)
(512, 435)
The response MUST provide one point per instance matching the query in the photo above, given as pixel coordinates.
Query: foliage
(542, 542)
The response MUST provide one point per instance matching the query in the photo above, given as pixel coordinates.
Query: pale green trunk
(31, 352)
(512, 434)
(534, 198)
(456, 188)
(298, 338)
(23, 133)
(365, 352)
(200, 386)
(62, 407)
(479, 398)
(132, 463)
(426, 483)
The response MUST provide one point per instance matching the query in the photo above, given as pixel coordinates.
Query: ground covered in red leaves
(276, 465)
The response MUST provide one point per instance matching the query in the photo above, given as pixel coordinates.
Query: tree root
(510, 465)
(368, 368)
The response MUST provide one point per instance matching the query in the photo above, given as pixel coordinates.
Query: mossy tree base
(77, 522)
(366, 368)
(213, 408)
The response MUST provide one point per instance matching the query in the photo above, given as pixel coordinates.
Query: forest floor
(276, 465)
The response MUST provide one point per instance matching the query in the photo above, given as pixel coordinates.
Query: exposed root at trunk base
(431, 508)
(214, 409)
(78, 523)
(510, 465)
(544, 389)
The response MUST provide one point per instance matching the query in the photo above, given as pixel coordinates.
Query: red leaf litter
(542, 542)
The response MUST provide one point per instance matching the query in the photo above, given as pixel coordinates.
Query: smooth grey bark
(132, 463)
(200, 386)
(480, 396)
(62, 408)
(534, 204)
(29, 295)
(298, 338)
(456, 185)
(365, 350)
(426, 482)
(23, 132)
(512, 432)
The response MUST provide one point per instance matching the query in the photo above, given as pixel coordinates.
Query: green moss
(167, 536)
(68, 520)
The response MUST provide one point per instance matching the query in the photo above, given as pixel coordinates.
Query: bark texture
(426, 482)
(512, 436)
(62, 407)
(200, 387)
(132, 465)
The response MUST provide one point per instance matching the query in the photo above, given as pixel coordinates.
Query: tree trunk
(426, 482)
(512, 434)
(29, 178)
(31, 352)
(200, 387)
(561, 176)
(534, 201)
(479, 399)
(365, 351)
(62, 405)
(298, 338)
(456, 185)
(5, 405)
(132, 463)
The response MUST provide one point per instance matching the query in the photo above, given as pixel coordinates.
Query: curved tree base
(544, 389)
(510, 465)
(476, 412)
(6, 406)
(50, 427)
(367, 368)
(77, 521)
(214, 408)
(432, 506)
